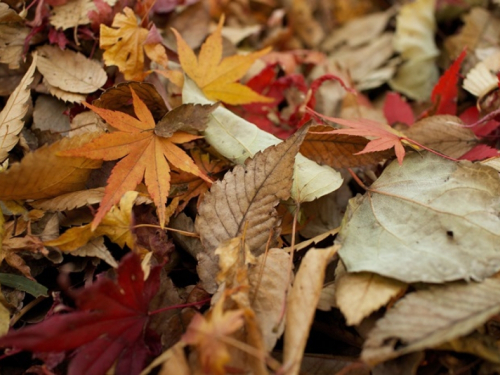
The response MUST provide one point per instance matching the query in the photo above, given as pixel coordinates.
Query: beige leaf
(64, 95)
(414, 40)
(360, 294)
(327, 298)
(268, 282)
(48, 115)
(86, 122)
(238, 140)
(443, 133)
(301, 304)
(70, 71)
(28, 179)
(430, 220)
(13, 34)
(96, 248)
(12, 115)
(428, 318)
(70, 201)
(71, 14)
(4, 319)
(246, 198)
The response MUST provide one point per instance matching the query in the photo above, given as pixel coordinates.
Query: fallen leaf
(247, 197)
(301, 304)
(428, 318)
(357, 295)
(237, 140)
(144, 155)
(339, 150)
(125, 44)
(71, 14)
(444, 133)
(70, 71)
(96, 248)
(445, 93)
(414, 40)
(190, 118)
(116, 225)
(397, 110)
(48, 115)
(216, 77)
(108, 324)
(27, 179)
(208, 333)
(70, 201)
(409, 227)
(12, 115)
(14, 34)
(384, 136)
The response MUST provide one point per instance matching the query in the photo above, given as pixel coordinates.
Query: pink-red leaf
(397, 110)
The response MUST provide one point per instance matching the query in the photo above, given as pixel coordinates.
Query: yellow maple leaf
(125, 44)
(116, 225)
(216, 77)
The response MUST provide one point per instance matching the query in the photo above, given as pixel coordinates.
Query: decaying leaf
(13, 35)
(190, 118)
(28, 179)
(71, 14)
(409, 227)
(359, 294)
(428, 318)
(216, 77)
(245, 200)
(237, 140)
(338, 150)
(443, 133)
(12, 115)
(301, 304)
(70, 71)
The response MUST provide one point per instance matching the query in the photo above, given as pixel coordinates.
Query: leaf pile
(216, 187)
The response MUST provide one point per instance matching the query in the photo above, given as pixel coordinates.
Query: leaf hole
(449, 233)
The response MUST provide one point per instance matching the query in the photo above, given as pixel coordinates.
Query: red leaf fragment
(471, 116)
(444, 94)
(480, 152)
(397, 110)
(110, 320)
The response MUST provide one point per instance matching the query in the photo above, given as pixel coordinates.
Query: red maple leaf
(397, 110)
(108, 325)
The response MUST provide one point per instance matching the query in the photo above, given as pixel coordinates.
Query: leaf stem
(188, 234)
(357, 179)
(163, 309)
(429, 149)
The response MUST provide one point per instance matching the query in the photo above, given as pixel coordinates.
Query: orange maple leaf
(144, 155)
(125, 42)
(216, 77)
(382, 136)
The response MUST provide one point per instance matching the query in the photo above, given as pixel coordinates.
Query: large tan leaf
(247, 197)
(238, 140)
(70, 71)
(301, 304)
(430, 220)
(443, 133)
(359, 294)
(13, 34)
(268, 281)
(428, 318)
(71, 14)
(338, 150)
(11, 117)
(43, 174)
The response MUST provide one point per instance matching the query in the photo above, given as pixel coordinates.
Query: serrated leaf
(12, 115)
(245, 200)
(28, 179)
(428, 318)
(430, 220)
(70, 71)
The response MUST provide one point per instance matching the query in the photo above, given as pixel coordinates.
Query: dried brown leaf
(190, 118)
(246, 197)
(96, 248)
(28, 179)
(337, 150)
(12, 115)
(443, 133)
(301, 304)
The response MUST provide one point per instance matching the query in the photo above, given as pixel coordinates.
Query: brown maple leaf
(144, 155)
